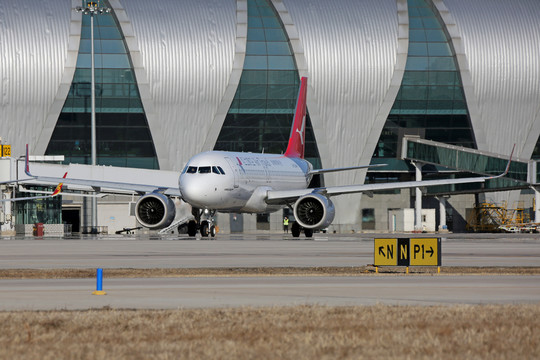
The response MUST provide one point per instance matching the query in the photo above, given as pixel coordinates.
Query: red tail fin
(298, 132)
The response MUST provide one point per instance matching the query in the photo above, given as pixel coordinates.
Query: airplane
(239, 182)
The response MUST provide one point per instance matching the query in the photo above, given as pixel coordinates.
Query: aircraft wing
(53, 194)
(27, 198)
(70, 193)
(109, 186)
(15, 181)
(287, 196)
(323, 171)
(114, 187)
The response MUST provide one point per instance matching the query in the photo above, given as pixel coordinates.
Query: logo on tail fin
(296, 145)
(302, 130)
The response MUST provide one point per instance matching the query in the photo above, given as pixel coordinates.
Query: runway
(276, 250)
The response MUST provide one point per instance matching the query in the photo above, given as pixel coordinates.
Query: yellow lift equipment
(489, 217)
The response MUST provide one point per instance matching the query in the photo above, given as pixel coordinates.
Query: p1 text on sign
(425, 252)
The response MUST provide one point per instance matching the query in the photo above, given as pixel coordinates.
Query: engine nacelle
(314, 211)
(155, 211)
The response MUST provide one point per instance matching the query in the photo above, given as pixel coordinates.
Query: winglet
(507, 169)
(509, 161)
(297, 138)
(27, 163)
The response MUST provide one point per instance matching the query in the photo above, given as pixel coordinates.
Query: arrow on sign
(430, 251)
(381, 252)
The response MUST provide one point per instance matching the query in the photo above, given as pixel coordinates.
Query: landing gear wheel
(308, 233)
(295, 229)
(192, 228)
(212, 231)
(204, 229)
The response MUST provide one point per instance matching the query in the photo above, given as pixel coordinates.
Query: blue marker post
(99, 283)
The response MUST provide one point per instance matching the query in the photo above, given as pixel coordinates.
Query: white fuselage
(238, 182)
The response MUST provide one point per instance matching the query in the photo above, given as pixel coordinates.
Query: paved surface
(250, 251)
(255, 251)
(172, 293)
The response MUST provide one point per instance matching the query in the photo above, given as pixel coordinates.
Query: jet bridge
(522, 174)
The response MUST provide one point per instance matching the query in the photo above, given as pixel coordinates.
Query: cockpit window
(204, 170)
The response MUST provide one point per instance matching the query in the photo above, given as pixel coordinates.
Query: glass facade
(431, 101)
(261, 114)
(46, 211)
(122, 134)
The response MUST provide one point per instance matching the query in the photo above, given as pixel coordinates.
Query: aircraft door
(235, 170)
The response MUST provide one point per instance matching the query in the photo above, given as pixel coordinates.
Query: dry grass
(270, 271)
(303, 332)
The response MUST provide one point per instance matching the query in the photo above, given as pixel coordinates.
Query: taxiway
(259, 251)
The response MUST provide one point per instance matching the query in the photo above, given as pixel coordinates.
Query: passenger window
(215, 170)
(221, 170)
(204, 170)
(192, 170)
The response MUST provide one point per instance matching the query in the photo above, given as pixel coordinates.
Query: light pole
(93, 8)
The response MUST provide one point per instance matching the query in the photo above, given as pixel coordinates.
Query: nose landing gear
(203, 222)
(207, 228)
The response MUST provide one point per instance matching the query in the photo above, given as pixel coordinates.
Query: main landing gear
(296, 229)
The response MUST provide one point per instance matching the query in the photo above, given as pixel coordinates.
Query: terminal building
(390, 81)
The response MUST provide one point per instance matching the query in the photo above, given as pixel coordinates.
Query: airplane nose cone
(197, 192)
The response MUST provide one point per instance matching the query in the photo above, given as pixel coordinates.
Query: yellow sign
(385, 252)
(407, 252)
(425, 251)
(6, 150)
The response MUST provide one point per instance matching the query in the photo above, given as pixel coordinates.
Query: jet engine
(155, 211)
(314, 211)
